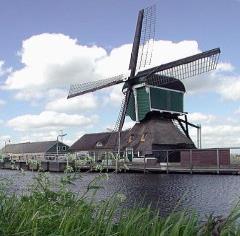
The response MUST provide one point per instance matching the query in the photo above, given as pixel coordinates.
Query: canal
(203, 193)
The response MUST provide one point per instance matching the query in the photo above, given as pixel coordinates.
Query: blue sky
(97, 35)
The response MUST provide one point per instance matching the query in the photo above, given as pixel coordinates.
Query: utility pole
(59, 136)
(5, 145)
(199, 136)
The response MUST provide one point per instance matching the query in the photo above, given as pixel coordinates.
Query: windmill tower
(153, 97)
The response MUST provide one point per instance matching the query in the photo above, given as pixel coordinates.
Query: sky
(47, 45)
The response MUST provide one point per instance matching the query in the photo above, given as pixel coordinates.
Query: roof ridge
(32, 142)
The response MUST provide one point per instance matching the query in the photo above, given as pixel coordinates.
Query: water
(203, 193)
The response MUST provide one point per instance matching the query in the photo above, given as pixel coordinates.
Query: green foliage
(33, 164)
(1, 157)
(71, 157)
(61, 212)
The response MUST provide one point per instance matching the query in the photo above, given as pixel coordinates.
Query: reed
(44, 211)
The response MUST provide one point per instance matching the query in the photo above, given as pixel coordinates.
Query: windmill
(157, 91)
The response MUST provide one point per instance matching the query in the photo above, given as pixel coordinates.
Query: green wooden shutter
(142, 102)
(168, 100)
(131, 108)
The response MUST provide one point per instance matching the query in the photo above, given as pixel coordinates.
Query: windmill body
(154, 97)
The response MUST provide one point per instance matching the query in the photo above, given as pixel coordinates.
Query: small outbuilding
(35, 150)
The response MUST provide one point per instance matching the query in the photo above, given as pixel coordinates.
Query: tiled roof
(29, 147)
(88, 141)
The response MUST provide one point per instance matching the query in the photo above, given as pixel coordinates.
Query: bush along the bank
(43, 212)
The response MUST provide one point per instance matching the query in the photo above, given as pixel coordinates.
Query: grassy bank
(61, 212)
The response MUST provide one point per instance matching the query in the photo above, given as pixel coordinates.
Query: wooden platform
(60, 166)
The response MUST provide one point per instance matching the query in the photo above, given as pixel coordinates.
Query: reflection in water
(203, 193)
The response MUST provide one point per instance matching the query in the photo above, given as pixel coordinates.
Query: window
(64, 148)
(99, 144)
(143, 137)
(130, 139)
(59, 148)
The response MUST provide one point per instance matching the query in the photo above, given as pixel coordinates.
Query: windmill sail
(123, 110)
(147, 37)
(136, 43)
(80, 89)
(184, 68)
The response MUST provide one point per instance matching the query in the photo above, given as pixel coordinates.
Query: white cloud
(4, 70)
(71, 140)
(50, 120)
(41, 94)
(225, 67)
(222, 81)
(54, 60)
(167, 51)
(221, 135)
(199, 118)
(74, 105)
(44, 135)
(116, 62)
(128, 124)
(29, 95)
(237, 111)
(230, 88)
(56, 93)
(116, 96)
(216, 131)
(2, 102)
(39, 136)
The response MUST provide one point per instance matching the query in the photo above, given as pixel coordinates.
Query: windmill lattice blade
(80, 89)
(184, 68)
(136, 43)
(122, 113)
(147, 37)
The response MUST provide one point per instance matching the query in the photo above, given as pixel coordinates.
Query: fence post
(167, 161)
(218, 162)
(92, 163)
(191, 165)
(107, 161)
(116, 164)
(144, 170)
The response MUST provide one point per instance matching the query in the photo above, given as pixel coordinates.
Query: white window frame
(99, 144)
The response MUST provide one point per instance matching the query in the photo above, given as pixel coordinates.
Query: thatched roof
(156, 133)
(153, 133)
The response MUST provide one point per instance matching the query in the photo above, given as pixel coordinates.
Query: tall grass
(44, 211)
